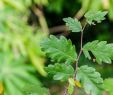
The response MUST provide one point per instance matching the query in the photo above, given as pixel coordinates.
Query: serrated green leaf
(108, 85)
(60, 71)
(95, 16)
(90, 80)
(102, 51)
(73, 24)
(59, 50)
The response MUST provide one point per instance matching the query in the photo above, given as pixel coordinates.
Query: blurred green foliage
(20, 53)
(19, 41)
(14, 75)
(108, 85)
(21, 5)
(98, 5)
(18, 37)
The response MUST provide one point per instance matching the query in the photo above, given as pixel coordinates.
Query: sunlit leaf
(70, 89)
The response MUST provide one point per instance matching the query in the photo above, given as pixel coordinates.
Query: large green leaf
(102, 51)
(73, 24)
(95, 16)
(59, 50)
(90, 80)
(60, 71)
(108, 85)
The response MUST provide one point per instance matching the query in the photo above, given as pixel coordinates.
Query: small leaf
(59, 50)
(74, 82)
(102, 51)
(71, 86)
(78, 84)
(71, 81)
(70, 89)
(95, 16)
(73, 24)
(90, 80)
(60, 71)
(108, 85)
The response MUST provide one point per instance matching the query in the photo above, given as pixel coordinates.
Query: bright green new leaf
(73, 24)
(60, 71)
(70, 89)
(102, 51)
(71, 81)
(108, 85)
(59, 50)
(95, 16)
(71, 86)
(90, 79)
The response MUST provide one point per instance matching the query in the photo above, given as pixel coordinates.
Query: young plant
(63, 53)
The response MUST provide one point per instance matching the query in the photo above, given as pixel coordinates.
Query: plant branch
(57, 29)
(63, 28)
(81, 46)
(80, 13)
(65, 91)
(80, 52)
(49, 92)
(42, 19)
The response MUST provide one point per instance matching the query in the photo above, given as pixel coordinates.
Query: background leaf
(95, 16)
(108, 85)
(34, 89)
(14, 75)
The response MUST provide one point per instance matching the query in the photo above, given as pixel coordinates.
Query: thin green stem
(81, 46)
(80, 52)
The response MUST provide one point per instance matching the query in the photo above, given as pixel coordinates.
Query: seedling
(63, 54)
